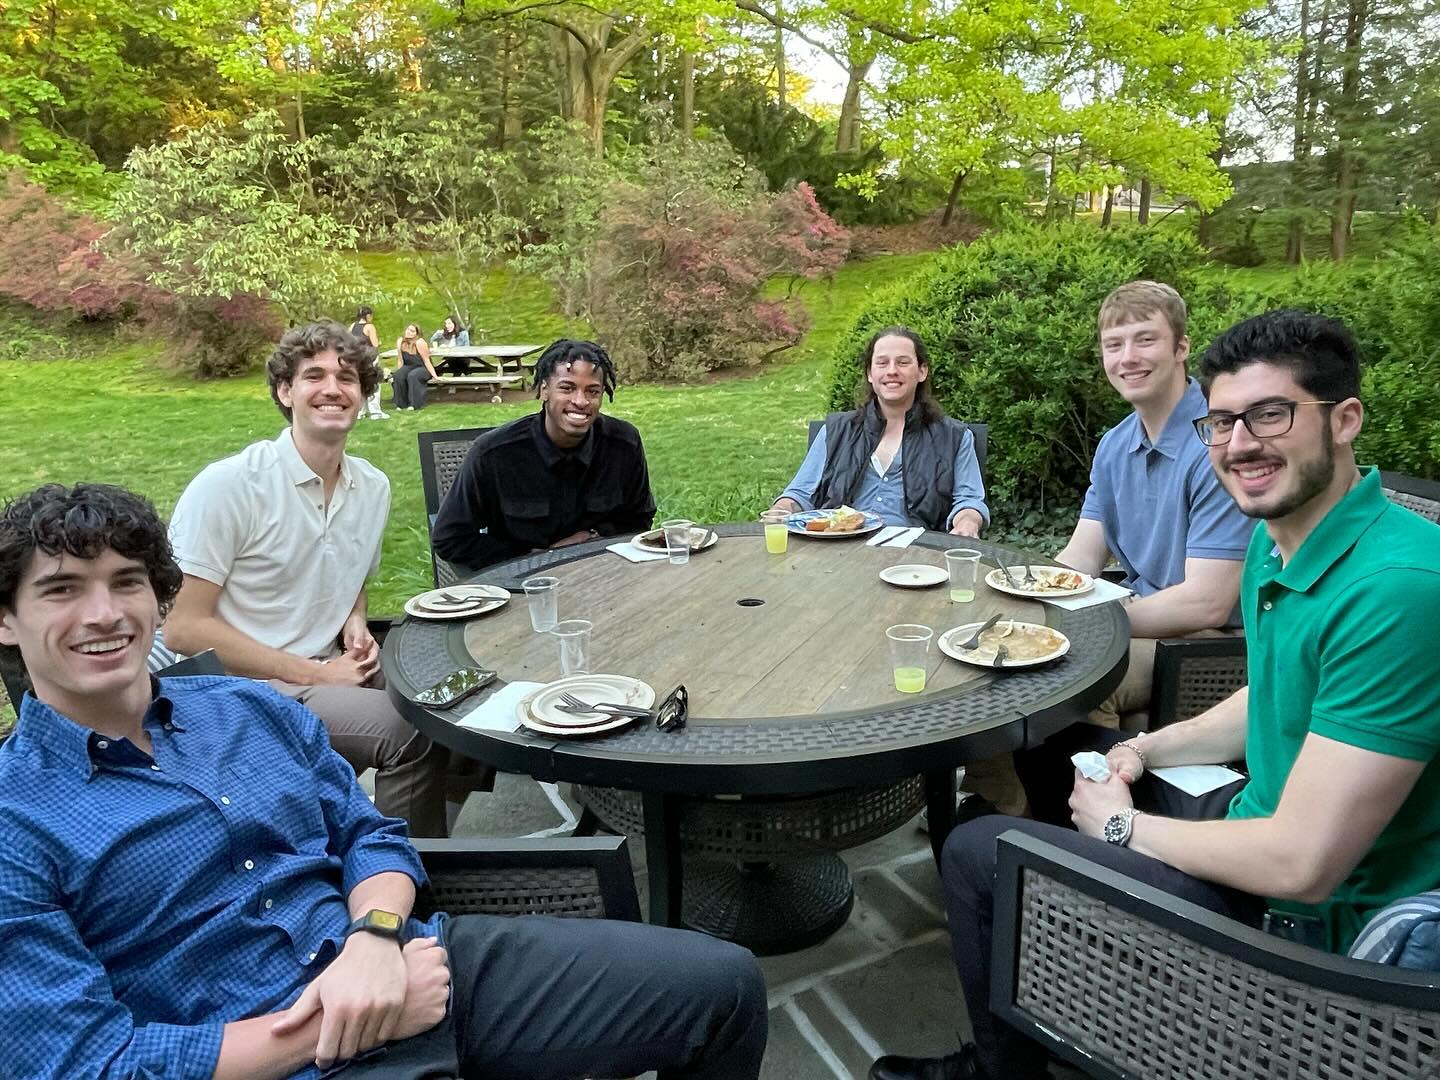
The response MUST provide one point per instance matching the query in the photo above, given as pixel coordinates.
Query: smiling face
(894, 373)
(1144, 362)
(450, 327)
(570, 398)
(1278, 476)
(84, 628)
(411, 332)
(324, 397)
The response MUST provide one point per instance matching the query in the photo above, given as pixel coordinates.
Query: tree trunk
(1295, 241)
(847, 132)
(687, 93)
(1144, 200)
(510, 121)
(780, 54)
(954, 196)
(1109, 207)
(1347, 122)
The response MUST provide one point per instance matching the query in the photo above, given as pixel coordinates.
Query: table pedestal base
(768, 907)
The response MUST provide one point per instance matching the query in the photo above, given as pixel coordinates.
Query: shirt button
(269, 904)
(313, 955)
(249, 864)
(169, 727)
(154, 768)
(224, 800)
(1267, 605)
(102, 744)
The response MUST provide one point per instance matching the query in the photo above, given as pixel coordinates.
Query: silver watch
(1119, 825)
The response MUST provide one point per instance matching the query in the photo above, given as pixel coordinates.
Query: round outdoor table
(793, 709)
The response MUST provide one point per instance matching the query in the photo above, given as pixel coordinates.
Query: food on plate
(817, 525)
(846, 520)
(1050, 579)
(1022, 643)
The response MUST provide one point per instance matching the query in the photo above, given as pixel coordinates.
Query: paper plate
(996, 580)
(538, 711)
(984, 655)
(701, 539)
(796, 524)
(437, 603)
(915, 575)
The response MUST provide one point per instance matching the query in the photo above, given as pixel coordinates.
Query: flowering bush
(215, 337)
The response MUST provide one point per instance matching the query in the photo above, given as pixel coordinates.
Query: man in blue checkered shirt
(192, 884)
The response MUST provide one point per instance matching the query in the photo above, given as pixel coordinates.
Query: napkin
(627, 550)
(888, 532)
(1103, 593)
(904, 538)
(1197, 780)
(497, 712)
(1092, 765)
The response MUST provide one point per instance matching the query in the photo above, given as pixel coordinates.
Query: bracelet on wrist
(1133, 744)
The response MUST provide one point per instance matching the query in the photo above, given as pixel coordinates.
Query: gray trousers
(367, 732)
(551, 999)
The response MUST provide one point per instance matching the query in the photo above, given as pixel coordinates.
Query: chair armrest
(585, 877)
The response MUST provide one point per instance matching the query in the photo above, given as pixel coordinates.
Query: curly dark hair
(567, 351)
(1320, 352)
(83, 521)
(302, 342)
(930, 410)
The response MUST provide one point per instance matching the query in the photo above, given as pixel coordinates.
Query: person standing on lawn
(276, 543)
(364, 326)
(1339, 726)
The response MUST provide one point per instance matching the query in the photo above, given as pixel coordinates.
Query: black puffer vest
(927, 461)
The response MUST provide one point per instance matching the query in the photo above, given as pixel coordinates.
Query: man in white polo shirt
(276, 543)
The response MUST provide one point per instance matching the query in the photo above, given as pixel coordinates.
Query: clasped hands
(374, 992)
(1092, 802)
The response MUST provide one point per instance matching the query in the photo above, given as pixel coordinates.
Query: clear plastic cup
(777, 536)
(574, 638)
(677, 539)
(909, 655)
(543, 596)
(964, 567)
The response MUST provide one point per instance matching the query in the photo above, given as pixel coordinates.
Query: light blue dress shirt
(1161, 502)
(884, 493)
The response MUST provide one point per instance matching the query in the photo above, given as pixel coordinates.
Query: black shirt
(526, 492)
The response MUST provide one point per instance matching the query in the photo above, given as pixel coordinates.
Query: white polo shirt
(256, 525)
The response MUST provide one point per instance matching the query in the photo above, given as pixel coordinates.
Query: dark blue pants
(967, 870)
(543, 997)
(408, 386)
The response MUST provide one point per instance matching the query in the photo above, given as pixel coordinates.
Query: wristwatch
(1118, 826)
(383, 923)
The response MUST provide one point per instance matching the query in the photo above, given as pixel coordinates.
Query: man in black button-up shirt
(559, 476)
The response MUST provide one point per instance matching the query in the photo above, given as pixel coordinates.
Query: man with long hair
(897, 455)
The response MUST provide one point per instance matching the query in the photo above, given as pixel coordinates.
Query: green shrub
(213, 338)
(1010, 325)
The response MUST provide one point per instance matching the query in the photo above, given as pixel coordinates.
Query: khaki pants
(368, 733)
(995, 779)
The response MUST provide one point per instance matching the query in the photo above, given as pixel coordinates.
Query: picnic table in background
(497, 366)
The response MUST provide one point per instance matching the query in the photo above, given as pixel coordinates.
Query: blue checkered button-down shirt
(146, 902)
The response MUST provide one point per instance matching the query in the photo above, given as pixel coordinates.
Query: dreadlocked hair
(569, 351)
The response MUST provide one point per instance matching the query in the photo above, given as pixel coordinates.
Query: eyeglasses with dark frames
(1265, 421)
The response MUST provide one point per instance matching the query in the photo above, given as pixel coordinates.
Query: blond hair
(1136, 301)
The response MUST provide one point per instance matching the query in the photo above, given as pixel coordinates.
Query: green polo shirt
(1344, 641)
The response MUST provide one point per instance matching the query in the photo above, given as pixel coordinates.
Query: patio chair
(1125, 981)
(577, 877)
(441, 455)
(980, 431)
(1192, 674)
(1422, 496)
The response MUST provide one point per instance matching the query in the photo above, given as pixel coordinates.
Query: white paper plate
(914, 575)
(432, 605)
(529, 722)
(701, 539)
(996, 580)
(795, 523)
(538, 710)
(984, 656)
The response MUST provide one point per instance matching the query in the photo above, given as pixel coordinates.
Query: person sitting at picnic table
(897, 455)
(412, 370)
(364, 327)
(452, 333)
(1339, 726)
(193, 884)
(560, 476)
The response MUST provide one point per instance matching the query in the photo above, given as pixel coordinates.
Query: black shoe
(967, 809)
(957, 1066)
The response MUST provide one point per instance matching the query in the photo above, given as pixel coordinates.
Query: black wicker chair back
(1125, 981)
(1192, 674)
(980, 431)
(441, 455)
(1422, 496)
(575, 877)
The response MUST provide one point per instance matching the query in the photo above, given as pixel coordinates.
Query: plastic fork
(1001, 655)
(570, 703)
(973, 642)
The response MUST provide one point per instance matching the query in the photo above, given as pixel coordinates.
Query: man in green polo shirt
(1339, 727)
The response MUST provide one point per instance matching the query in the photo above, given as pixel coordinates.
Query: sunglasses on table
(1265, 421)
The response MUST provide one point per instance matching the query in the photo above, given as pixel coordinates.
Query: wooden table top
(815, 646)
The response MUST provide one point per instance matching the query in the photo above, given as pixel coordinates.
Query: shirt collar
(74, 744)
(1178, 430)
(1336, 533)
(295, 467)
(552, 455)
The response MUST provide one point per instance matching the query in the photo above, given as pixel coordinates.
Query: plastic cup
(909, 655)
(574, 638)
(777, 536)
(677, 540)
(543, 596)
(964, 566)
